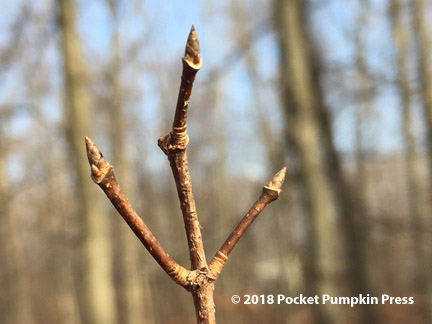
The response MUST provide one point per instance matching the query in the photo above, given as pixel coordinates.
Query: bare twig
(270, 193)
(192, 62)
(201, 278)
(103, 175)
(174, 146)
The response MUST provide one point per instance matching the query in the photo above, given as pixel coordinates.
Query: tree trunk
(131, 287)
(425, 76)
(416, 195)
(96, 293)
(353, 200)
(15, 301)
(324, 257)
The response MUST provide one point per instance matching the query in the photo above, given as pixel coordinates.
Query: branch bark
(200, 279)
(174, 146)
(270, 193)
(102, 174)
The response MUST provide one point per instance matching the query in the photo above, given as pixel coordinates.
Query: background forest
(338, 91)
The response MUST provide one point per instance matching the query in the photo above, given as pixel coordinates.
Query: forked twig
(201, 278)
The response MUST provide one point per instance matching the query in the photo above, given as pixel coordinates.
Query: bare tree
(245, 39)
(200, 280)
(353, 201)
(130, 286)
(423, 39)
(15, 300)
(97, 302)
(417, 199)
(308, 123)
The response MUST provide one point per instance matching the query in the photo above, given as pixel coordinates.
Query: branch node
(199, 277)
(217, 263)
(180, 275)
(179, 136)
(175, 140)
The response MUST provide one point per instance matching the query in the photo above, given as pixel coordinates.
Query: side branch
(102, 174)
(270, 193)
(174, 146)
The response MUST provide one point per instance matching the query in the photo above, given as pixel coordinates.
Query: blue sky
(172, 22)
(163, 28)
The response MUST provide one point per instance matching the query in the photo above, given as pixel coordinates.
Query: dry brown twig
(201, 278)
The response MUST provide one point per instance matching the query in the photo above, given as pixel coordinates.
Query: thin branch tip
(93, 153)
(102, 174)
(192, 51)
(270, 193)
(88, 142)
(98, 165)
(277, 181)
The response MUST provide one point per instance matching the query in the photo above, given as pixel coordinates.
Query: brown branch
(102, 174)
(192, 62)
(200, 280)
(174, 146)
(270, 193)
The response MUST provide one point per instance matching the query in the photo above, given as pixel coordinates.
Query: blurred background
(338, 91)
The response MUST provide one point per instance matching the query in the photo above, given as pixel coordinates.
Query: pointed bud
(192, 52)
(98, 165)
(93, 153)
(277, 181)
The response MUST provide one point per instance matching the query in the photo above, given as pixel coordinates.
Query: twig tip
(89, 143)
(94, 155)
(98, 165)
(192, 52)
(277, 181)
(93, 152)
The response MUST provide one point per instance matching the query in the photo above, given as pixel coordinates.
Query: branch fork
(202, 276)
